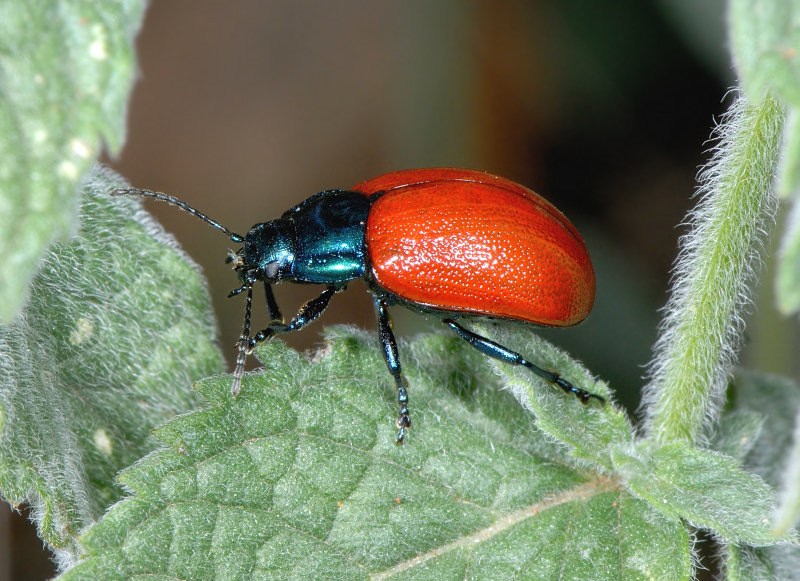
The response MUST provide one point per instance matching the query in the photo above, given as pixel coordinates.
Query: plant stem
(700, 334)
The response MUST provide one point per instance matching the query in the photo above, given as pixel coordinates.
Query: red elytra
(467, 241)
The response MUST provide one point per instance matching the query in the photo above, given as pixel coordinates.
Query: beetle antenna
(173, 201)
(243, 344)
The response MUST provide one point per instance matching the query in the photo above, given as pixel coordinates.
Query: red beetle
(442, 241)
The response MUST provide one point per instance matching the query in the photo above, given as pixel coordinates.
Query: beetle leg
(389, 344)
(243, 342)
(308, 312)
(497, 351)
(272, 305)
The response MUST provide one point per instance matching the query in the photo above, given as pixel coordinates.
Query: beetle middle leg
(501, 353)
(389, 344)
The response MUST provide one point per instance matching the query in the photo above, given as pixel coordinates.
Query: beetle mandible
(447, 242)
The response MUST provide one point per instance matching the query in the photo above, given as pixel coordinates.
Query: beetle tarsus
(238, 370)
(583, 396)
(403, 419)
(242, 344)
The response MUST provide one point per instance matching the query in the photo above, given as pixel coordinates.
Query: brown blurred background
(246, 108)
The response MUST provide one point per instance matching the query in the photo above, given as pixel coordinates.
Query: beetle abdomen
(480, 245)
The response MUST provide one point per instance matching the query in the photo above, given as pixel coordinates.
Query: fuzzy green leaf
(776, 563)
(775, 454)
(765, 40)
(82, 382)
(591, 431)
(787, 277)
(776, 398)
(66, 67)
(708, 489)
(766, 47)
(737, 433)
(300, 478)
(788, 511)
(789, 172)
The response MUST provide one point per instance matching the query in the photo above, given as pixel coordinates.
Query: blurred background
(246, 108)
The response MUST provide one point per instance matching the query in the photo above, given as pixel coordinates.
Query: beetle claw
(583, 396)
(403, 423)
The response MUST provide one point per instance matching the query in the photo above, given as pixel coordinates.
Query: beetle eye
(271, 270)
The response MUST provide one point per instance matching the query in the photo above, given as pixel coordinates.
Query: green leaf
(765, 44)
(778, 399)
(66, 67)
(706, 488)
(737, 433)
(591, 431)
(117, 326)
(765, 40)
(299, 477)
(788, 511)
(776, 451)
(787, 277)
(789, 170)
(777, 563)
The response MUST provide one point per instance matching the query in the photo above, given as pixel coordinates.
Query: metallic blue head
(269, 252)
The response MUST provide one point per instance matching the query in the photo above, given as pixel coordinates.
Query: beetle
(453, 243)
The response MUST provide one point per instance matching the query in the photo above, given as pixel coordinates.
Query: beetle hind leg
(389, 344)
(501, 353)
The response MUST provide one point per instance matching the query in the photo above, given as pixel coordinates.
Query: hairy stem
(700, 334)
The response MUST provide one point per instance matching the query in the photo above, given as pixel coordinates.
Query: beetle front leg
(308, 313)
(389, 344)
(244, 339)
(497, 351)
